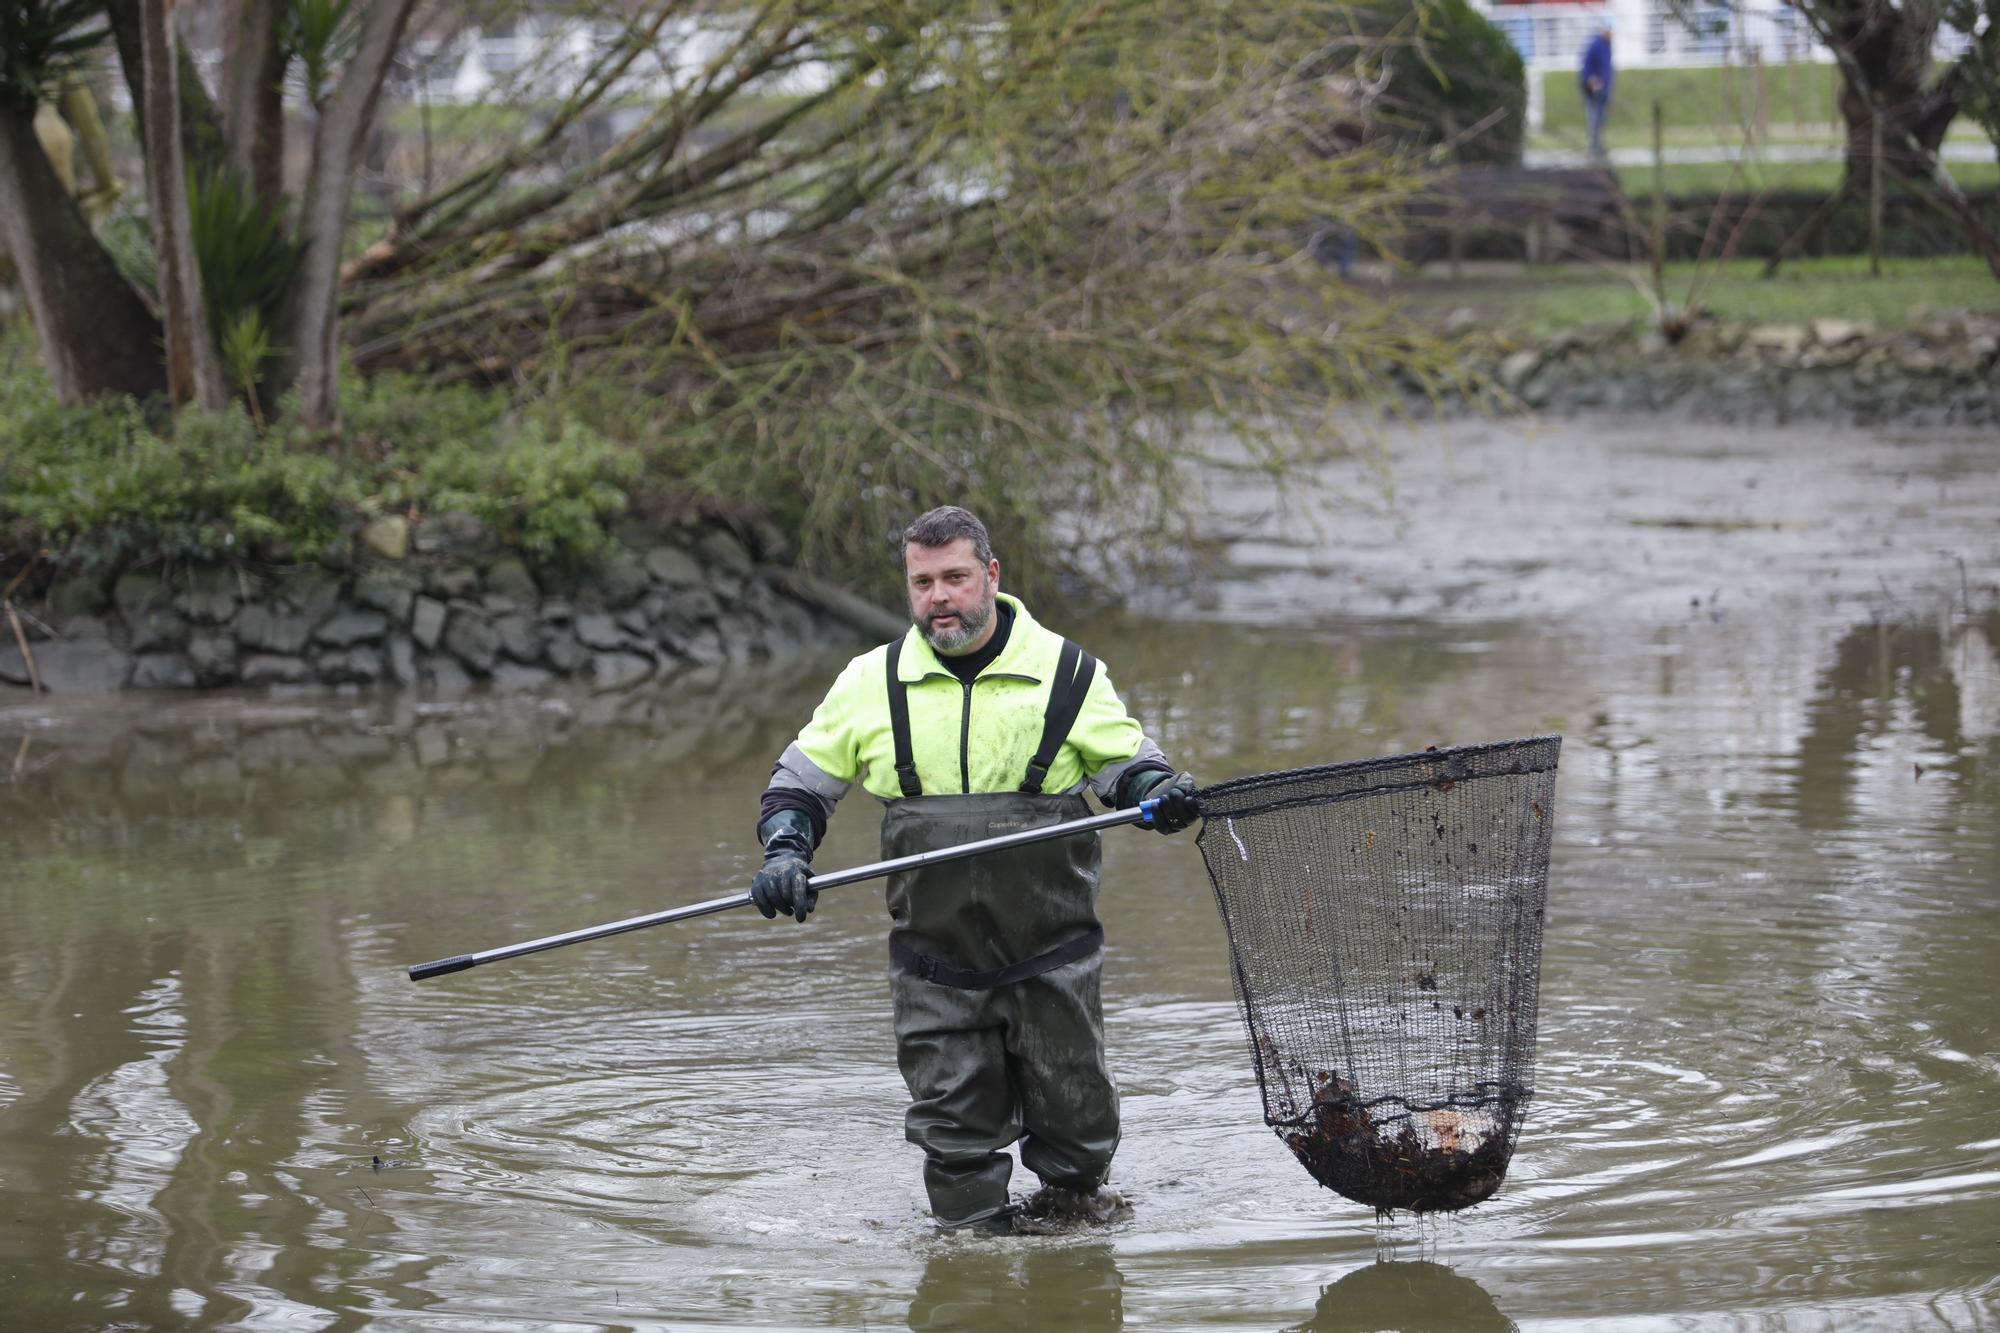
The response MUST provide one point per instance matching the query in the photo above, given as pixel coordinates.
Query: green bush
(100, 477)
(110, 481)
(550, 491)
(402, 417)
(1453, 72)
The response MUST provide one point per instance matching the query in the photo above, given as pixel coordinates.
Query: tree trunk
(253, 68)
(1888, 98)
(312, 349)
(1884, 56)
(201, 127)
(194, 371)
(97, 336)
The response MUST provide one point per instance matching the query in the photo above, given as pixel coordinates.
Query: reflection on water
(1013, 1286)
(1408, 1296)
(1767, 1063)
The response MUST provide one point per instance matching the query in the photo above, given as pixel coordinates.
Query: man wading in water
(976, 723)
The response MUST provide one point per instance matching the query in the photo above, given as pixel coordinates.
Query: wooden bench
(1551, 211)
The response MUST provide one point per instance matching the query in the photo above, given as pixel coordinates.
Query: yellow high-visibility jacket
(964, 737)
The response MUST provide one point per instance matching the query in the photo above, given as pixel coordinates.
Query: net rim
(1448, 755)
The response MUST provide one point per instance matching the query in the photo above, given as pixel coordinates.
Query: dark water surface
(1769, 1083)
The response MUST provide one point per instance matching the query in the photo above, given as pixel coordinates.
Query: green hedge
(114, 480)
(1457, 70)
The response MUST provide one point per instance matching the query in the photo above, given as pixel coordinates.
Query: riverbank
(443, 607)
(445, 539)
(249, 562)
(439, 606)
(1944, 371)
(1822, 342)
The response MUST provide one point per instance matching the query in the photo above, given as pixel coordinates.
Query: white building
(1550, 35)
(552, 51)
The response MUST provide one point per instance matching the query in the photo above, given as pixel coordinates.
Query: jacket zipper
(965, 741)
(965, 720)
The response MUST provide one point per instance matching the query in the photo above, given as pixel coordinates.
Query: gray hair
(946, 524)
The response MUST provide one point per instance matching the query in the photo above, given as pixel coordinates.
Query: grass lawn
(1632, 127)
(1819, 177)
(1709, 105)
(1543, 300)
(1708, 97)
(477, 122)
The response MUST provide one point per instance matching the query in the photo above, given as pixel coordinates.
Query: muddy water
(1768, 1062)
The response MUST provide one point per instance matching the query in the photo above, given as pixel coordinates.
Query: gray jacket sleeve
(797, 783)
(1108, 781)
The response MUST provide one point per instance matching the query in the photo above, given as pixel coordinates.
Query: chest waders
(996, 960)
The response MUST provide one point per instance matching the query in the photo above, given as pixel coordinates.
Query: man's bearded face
(951, 594)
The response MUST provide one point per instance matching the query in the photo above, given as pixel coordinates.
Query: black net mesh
(1385, 922)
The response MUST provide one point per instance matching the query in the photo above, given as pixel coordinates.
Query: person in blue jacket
(1595, 79)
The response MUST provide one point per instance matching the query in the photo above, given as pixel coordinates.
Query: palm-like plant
(41, 43)
(320, 36)
(247, 258)
(245, 346)
(245, 253)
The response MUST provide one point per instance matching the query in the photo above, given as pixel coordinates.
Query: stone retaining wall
(1942, 372)
(438, 607)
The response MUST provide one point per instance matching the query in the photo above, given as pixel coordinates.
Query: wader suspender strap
(1074, 670)
(899, 727)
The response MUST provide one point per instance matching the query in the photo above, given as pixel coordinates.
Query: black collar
(967, 666)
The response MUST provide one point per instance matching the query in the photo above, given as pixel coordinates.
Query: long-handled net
(1385, 923)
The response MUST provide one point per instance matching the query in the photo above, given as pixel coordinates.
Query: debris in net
(1389, 1157)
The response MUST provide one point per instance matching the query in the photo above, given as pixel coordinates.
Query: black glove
(785, 882)
(1175, 793)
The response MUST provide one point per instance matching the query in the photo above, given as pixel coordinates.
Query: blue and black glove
(785, 882)
(1175, 793)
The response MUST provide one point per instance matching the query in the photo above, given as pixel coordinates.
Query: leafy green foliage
(549, 490)
(109, 481)
(247, 258)
(245, 346)
(1460, 84)
(41, 43)
(320, 36)
(380, 416)
(242, 249)
(101, 477)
